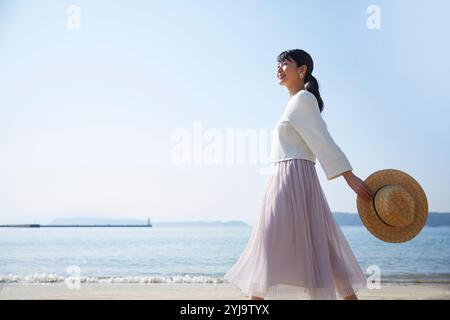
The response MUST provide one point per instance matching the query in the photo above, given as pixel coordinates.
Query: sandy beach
(197, 292)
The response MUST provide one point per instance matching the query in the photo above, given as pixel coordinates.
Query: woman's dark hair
(302, 57)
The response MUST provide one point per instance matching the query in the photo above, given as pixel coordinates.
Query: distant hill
(199, 223)
(435, 219)
(347, 219)
(111, 221)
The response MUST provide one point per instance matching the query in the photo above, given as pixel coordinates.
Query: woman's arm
(304, 115)
(358, 186)
(307, 120)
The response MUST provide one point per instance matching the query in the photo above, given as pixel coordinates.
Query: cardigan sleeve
(305, 117)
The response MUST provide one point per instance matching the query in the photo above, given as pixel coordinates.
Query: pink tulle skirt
(296, 249)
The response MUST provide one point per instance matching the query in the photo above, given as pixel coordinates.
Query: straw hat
(399, 208)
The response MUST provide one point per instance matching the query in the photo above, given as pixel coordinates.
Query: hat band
(375, 208)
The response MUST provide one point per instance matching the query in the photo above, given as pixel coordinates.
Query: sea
(192, 254)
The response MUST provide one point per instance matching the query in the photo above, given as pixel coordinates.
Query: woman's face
(288, 73)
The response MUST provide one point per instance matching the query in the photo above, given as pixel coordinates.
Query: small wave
(417, 278)
(48, 278)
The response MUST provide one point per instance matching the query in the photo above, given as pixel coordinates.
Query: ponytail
(313, 86)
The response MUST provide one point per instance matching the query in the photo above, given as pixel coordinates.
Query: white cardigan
(301, 133)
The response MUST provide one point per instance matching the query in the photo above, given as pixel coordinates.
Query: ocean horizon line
(343, 219)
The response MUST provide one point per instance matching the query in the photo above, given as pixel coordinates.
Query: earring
(301, 75)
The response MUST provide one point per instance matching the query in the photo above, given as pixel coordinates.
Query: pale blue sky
(86, 115)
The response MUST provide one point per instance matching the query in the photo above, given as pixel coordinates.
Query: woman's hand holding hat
(358, 186)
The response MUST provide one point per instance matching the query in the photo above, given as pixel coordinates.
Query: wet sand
(182, 291)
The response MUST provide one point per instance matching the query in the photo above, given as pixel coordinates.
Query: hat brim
(370, 218)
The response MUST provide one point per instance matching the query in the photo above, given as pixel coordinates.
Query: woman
(296, 246)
